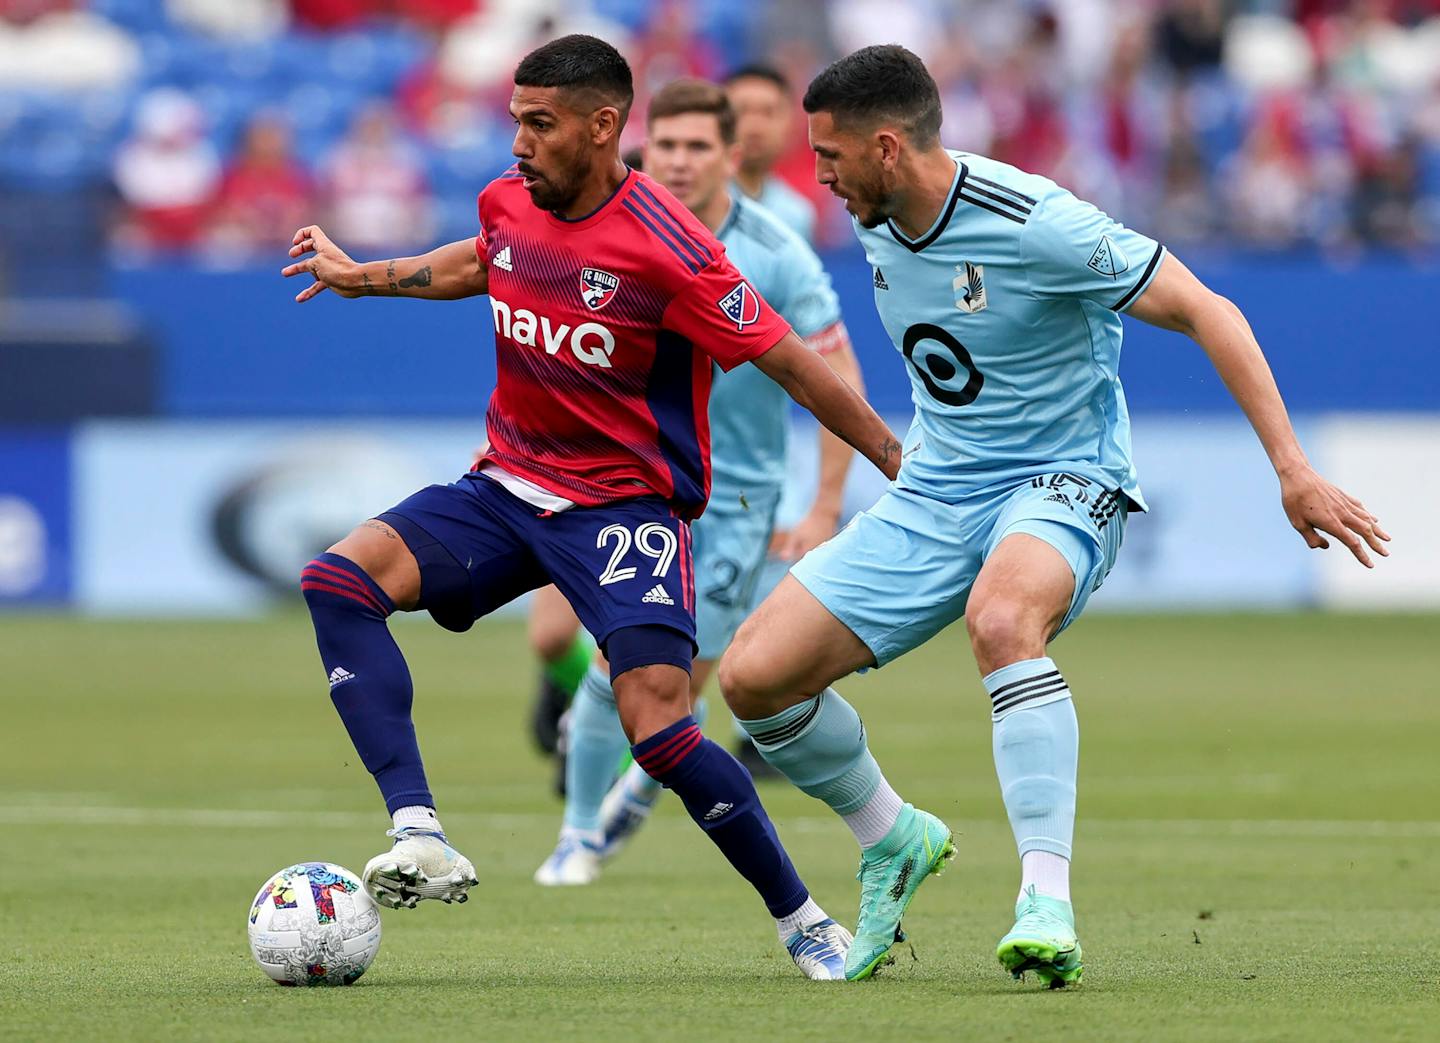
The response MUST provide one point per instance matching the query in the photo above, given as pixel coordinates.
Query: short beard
(885, 205)
(552, 197)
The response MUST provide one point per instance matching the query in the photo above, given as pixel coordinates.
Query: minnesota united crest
(597, 288)
(969, 287)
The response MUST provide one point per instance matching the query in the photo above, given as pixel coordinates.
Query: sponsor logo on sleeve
(1108, 259)
(741, 306)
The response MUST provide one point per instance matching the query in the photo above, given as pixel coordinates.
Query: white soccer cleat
(573, 863)
(819, 950)
(420, 865)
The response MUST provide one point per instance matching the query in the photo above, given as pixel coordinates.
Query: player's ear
(888, 143)
(605, 123)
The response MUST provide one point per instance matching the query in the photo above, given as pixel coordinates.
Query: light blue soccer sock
(819, 745)
(596, 744)
(1037, 748)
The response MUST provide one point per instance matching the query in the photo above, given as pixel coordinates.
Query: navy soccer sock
(369, 681)
(720, 796)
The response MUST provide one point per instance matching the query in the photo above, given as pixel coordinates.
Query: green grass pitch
(1257, 846)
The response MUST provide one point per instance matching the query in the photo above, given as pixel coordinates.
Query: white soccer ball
(313, 924)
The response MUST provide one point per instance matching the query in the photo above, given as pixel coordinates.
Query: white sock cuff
(417, 816)
(876, 817)
(1027, 684)
(807, 914)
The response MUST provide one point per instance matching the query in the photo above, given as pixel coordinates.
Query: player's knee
(333, 582)
(377, 550)
(746, 685)
(1003, 632)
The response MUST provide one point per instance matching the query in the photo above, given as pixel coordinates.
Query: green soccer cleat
(918, 845)
(1042, 940)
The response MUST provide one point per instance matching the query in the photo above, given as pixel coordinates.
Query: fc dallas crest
(597, 288)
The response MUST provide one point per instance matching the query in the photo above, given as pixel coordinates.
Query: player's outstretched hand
(1315, 506)
(331, 266)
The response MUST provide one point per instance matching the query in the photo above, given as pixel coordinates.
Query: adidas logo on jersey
(340, 675)
(502, 261)
(880, 283)
(718, 811)
(657, 595)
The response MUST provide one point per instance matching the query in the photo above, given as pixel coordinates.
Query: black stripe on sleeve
(1124, 302)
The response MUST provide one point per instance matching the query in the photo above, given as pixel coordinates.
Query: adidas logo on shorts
(340, 675)
(657, 595)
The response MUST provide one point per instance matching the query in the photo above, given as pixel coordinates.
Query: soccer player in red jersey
(610, 300)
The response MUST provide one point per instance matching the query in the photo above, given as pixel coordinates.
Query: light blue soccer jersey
(749, 412)
(1007, 312)
(794, 211)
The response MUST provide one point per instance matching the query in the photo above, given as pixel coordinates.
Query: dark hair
(884, 82)
(759, 71)
(688, 95)
(583, 65)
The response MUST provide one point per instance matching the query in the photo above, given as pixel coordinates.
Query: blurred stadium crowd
(217, 126)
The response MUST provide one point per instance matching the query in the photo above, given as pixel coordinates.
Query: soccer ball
(313, 924)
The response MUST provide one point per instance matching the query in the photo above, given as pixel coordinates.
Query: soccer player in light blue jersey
(1003, 294)
(690, 152)
(760, 95)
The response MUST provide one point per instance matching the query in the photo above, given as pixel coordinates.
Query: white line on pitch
(228, 818)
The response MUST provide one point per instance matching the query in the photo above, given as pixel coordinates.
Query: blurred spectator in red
(379, 196)
(167, 174)
(1269, 180)
(266, 193)
(1029, 126)
(23, 12)
(667, 49)
(340, 14)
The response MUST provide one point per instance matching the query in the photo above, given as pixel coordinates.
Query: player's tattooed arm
(1177, 300)
(812, 383)
(446, 273)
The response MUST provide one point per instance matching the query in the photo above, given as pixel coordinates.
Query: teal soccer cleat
(918, 845)
(1042, 940)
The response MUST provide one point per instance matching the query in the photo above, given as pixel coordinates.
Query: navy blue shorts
(479, 547)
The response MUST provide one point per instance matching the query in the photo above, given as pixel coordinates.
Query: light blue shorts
(902, 571)
(730, 546)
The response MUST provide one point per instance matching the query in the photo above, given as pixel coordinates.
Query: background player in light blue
(690, 150)
(1003, 294)
(764, 109)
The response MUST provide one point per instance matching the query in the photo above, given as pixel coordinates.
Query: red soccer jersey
(604, 331)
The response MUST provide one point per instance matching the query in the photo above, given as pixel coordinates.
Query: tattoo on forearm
(420, 278)
(390, 278)
(381, 528)
(889, 448)
(366, 286)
